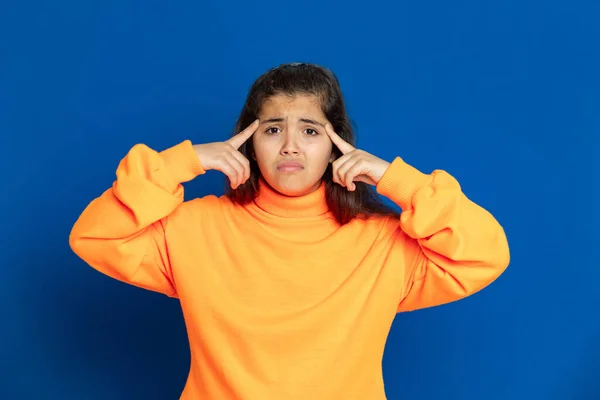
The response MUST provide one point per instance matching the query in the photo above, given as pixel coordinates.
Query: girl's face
(291, 146)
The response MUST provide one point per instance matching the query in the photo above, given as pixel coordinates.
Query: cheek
(321, 153)
(262, 151)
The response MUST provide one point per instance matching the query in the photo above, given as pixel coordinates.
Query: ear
(332, 157)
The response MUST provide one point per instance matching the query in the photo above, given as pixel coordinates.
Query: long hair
(300, 78)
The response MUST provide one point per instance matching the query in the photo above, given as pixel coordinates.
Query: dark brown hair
(300, 78)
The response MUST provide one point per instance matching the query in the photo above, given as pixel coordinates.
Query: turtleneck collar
(309, 205)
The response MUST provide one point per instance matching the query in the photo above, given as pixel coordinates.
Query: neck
(309, 205)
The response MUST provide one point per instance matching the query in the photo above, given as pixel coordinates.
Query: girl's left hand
(355, 165)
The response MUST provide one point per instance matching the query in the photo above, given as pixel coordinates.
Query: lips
(289, 166)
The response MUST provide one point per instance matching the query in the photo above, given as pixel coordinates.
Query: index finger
(341, 144)
(244, 135)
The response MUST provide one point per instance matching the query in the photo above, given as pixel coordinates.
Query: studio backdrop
(503, 95)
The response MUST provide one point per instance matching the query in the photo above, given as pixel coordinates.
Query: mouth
(289, 166)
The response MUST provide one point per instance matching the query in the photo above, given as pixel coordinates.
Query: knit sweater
(279, 300)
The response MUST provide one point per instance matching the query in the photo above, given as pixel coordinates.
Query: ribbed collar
(273, 202)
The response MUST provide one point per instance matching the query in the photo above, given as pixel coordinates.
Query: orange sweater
(281, 302)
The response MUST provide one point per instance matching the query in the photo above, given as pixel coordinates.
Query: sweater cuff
(182, 162)
(400, 182)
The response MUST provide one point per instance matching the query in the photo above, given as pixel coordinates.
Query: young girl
(289, 283)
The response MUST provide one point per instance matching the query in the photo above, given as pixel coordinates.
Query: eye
(311, 132)
(270, 130)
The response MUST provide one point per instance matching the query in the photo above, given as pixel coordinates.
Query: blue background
(504, 95)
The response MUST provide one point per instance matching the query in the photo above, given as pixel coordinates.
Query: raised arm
(457, 247)
(124, 232)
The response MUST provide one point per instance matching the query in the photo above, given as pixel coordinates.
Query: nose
(290, 146)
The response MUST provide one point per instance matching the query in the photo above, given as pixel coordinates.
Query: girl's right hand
(225, 157)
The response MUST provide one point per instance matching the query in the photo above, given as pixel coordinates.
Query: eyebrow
(279, 119)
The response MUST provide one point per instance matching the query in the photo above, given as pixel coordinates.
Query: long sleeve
(122, 232)
(457, 247)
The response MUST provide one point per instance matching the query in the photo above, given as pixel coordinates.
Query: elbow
(84, 249)
(107, 256)
(78, 242)
(504, 260)
(497, 262)
(501, 252)
(75, 241)
(94, 252)
(104, 259)
(488, 268)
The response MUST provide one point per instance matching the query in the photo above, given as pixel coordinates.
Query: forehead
(298, 105)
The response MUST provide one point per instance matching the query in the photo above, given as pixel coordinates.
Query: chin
(288, 186)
